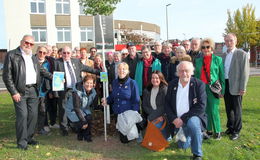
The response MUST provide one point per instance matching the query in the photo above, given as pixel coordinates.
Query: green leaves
(99, 7)
(243, 23)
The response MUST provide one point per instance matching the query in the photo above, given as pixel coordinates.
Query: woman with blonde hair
(210, 69)
(180, 55)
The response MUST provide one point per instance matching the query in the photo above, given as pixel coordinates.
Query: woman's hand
(221, 96)
(160, 119)
(84, 126)
(104, 102)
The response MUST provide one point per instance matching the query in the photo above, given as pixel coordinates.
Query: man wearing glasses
(93, 53)
(72, 67)
(21, 76)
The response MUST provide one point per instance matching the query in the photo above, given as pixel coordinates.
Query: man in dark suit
(21, 76)
(185, 107)
(72, 68)
(237, 69)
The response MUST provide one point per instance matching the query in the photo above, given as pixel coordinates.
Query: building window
(86, 34)
(38, 6)
(63, 34)
(39, 34)
(62, 7)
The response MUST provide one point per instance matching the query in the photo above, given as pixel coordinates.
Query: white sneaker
(55, 126)
(47, 128)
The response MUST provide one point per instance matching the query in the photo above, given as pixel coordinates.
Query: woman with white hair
(180, 55)
(124, 97)
(209, 69)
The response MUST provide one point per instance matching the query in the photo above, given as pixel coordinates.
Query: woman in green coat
(209, 69)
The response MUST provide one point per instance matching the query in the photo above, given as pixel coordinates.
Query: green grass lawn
(55, 146)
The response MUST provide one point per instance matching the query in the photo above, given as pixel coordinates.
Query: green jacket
(139, 73)
(216, 70)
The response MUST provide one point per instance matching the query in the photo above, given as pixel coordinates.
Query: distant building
(60, 22)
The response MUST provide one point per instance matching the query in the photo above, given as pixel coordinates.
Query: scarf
(147, 65)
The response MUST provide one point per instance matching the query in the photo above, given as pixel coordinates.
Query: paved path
(253, 72)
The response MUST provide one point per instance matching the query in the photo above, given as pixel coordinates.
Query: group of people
(171, 84)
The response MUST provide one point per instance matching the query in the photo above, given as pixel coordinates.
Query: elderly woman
(79, 109)
(153, 99)
(145, 67)
(112, 70)
(124, 96)
(84, 60)
(209, 69)
(180, 55)
(165, 58)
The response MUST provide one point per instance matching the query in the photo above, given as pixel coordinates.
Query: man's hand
(178, 122)
(16, 97)
(242, 92)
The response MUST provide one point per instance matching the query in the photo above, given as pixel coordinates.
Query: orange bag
(153, 138)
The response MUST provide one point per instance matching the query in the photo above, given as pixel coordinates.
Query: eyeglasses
(28, 43)
(93, 51)
(65, 52)
(42, 52)
(204, 47)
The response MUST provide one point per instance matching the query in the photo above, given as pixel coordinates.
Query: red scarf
(207, 61)
(147, 65)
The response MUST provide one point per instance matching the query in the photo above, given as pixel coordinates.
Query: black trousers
(62, 102)
(233, 105)
(85, 133)
(52, 109)
(41, 113)
(26, 112)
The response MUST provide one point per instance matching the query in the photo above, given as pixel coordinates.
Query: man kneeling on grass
(185, 108)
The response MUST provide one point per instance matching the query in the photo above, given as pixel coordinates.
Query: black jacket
(78, 68)
(160, 103)
(197, 101)
(14, 72)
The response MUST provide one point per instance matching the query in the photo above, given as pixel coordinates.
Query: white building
(57, 22)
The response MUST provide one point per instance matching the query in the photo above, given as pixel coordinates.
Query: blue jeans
(166, 135)
(192, 131)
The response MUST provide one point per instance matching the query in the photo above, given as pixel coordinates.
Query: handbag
(215, 88)
(153, 138)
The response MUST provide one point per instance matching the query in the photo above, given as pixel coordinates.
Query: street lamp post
(167, 21)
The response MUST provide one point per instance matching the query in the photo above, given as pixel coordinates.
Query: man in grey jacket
(236, 74)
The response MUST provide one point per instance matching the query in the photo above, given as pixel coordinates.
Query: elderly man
(236, 64)
(132, 59)
(21, 76)
(185, 107)
(72, 68)
(195, 50)
(157, 49)
(186, 44)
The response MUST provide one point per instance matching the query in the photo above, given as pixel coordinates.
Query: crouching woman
(125, 101)
(79, 111)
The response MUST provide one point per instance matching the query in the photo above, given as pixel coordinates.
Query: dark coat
(14, 72)
(197, 101)
(132, 64)
(78, 68)
(160, 103)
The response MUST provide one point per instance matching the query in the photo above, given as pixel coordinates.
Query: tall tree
(243, 23)
(101, 7)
